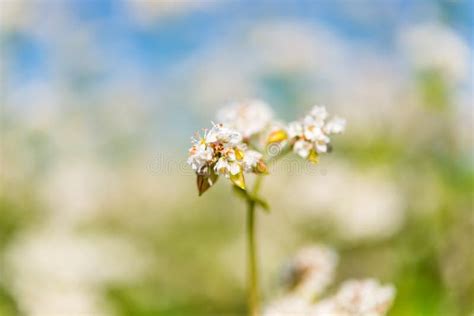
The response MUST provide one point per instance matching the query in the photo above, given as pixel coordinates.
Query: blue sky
(168, 41)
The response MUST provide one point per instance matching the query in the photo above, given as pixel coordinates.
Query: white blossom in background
(312, 270)
(58, 272)
(358, 298)
(72, 191)
(354, 297)
(311, 134)
(432, 46)
(372, 207)
(290, 305)
(249, 117)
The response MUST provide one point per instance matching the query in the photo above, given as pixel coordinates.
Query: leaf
(239, 154)
(240, 193)
(202, 184)
(249, 197)
(277, 136)
(262, 203)
(313, 157)
(213, 177)
(238, 180)
(206, 182)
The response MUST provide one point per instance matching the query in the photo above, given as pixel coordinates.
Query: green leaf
(247, 196)
(213, 177)
(313, 157)
(238, 180)
(239, 192)
(262, 203)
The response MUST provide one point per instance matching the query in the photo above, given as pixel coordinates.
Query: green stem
(253, 282)
(252, 265)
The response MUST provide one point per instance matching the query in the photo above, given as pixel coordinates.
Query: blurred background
(99, 213)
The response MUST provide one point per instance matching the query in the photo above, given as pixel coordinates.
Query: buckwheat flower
(290, 305)
(60, 272)
(314, 266)
(310, 136)
(336, 125)
(223, 134)
(364, 298)
(319, 113)
(200, 156)
(312, 271)
(249, 117)
(227, 166)
(253, 161)
(326, 307)
(221, 151)
(295, 129)
(303, 148)
(227, 150)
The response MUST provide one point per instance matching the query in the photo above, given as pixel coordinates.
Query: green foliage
(8, 306)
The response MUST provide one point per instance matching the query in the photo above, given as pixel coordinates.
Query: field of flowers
(100, 214)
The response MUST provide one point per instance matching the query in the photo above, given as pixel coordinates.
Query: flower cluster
(366, 297)
(354, 298)
(221, 151)
(310, 136)
(224, 149)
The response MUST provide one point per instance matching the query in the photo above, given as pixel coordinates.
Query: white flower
(60, 272)
(295, 129)
(249, 117)
(355, 298)
(319, 113)
(303, 148)
(227, 167)
(221, 152)
(287, 306)
(221, 149)
(366, 297)
(224, 135)
(372, 208)
(313, 270)
(314, 132)
(311, 135)
(200, 156)
(251, 160)
(335, 126)
(326, 307)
